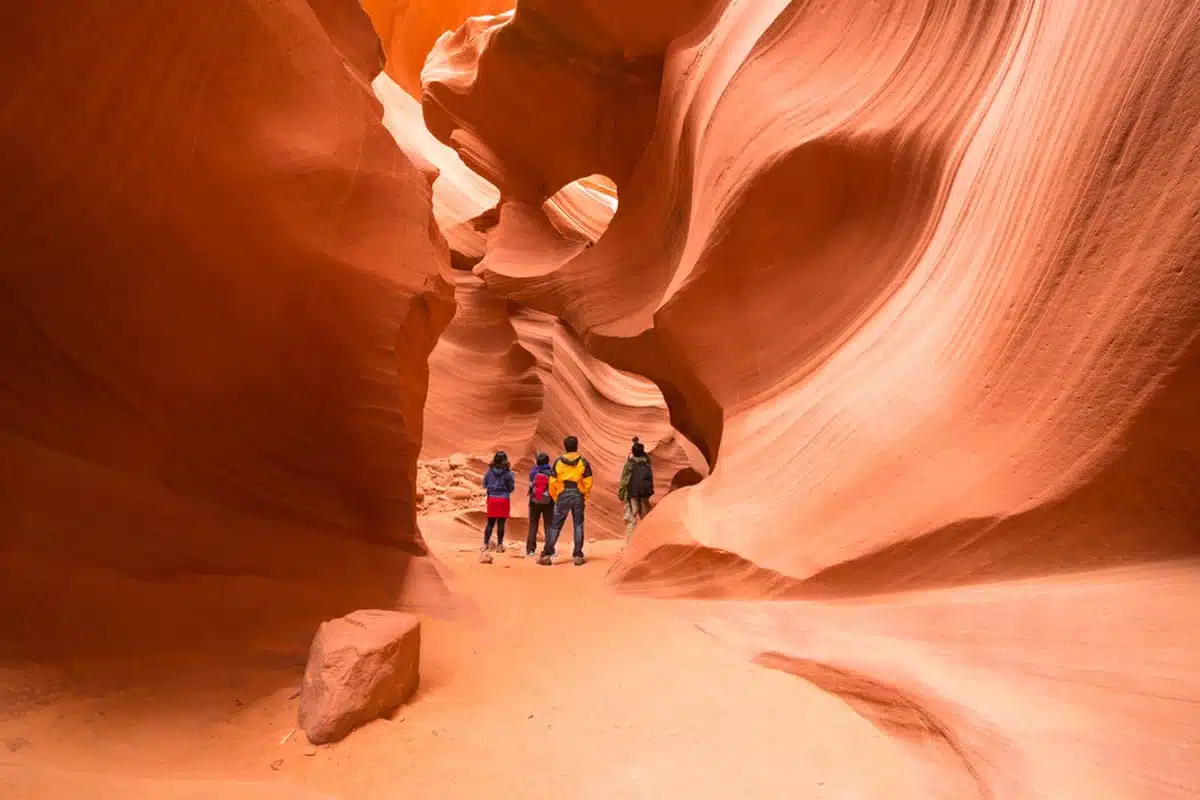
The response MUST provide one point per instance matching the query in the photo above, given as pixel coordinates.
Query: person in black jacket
(541, 504)
(636, 488)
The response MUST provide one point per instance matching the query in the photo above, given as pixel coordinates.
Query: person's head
(570, 444)
(543, 460)
(639, 450)
(500, 460)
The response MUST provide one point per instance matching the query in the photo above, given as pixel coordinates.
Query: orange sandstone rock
(918, 280)
(221, 283)
(361, 667)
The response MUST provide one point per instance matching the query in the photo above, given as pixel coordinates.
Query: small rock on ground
(360, 667)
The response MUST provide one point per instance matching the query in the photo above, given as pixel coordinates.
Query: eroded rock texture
(484, 393)
(504, 376)
(409, 28)
(507, 377)
(221, 281)
(585, 397)
(463, 203)
(920, 280)
(361, 667)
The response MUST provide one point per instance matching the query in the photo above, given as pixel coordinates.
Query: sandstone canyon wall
(221, 282)
(919, 279)
(409, 28)
(504, 376)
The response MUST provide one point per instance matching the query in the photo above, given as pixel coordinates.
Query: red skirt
(497, 507)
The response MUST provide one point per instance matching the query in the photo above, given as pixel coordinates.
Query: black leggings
(498, 523)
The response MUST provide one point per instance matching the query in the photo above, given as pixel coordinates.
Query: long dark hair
(500, 460)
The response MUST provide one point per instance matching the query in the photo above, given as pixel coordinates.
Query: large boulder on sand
(361, 667)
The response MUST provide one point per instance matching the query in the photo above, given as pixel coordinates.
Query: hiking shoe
(499, 547)
(530, 553)
(545, 561)
(485, 557)
(579, 561)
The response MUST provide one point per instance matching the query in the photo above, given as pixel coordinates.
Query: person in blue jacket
(499, 483)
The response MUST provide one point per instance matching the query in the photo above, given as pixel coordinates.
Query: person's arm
(585, 485)
(510, 482)
(623, 486)
(650, 469)
(555, 482)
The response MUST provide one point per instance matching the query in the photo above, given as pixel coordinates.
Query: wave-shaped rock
(512, 378)
(485, 393)
(464, 204)
(409, 28)
(504, 376)
(919, 279)
(221, 283)
(604, 407)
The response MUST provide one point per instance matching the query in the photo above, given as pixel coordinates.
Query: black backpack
(641, 479)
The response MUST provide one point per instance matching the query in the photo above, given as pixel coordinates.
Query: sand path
(543, 683)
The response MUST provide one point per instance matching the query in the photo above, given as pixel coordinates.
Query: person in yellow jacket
(570, 485)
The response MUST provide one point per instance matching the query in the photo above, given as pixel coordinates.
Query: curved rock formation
(604, 407)
(597, 117)
(409, 28)
(484, 389)
(507, 377)
(463, 203)
(518, 380)
(919, 278)
(220, 286)
(584, 208)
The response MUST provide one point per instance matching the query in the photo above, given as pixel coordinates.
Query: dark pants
(572, 503)
(498, 523)
(538, 512)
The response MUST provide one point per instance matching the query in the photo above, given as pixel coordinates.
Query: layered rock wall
(505, 376)
(919, 278)
(221, 283)
(409, 28)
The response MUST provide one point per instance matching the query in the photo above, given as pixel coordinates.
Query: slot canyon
(901, 297)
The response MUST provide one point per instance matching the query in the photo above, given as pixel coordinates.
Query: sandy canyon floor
(540, 682)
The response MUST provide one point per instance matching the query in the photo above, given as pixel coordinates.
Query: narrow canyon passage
(536, 683)
(902, 298)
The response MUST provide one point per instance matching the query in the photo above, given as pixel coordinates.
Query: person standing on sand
(570, 485)
(541, 505)
(499, 484)
(636, 488)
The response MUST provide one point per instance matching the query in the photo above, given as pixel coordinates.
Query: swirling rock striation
(602, 406)
(464, 204)
(221, 283)
(409, 28)
(512, 378)
(485, 392)
(503, 376)
(919, 279)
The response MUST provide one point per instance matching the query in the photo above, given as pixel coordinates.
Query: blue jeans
(572, 502)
